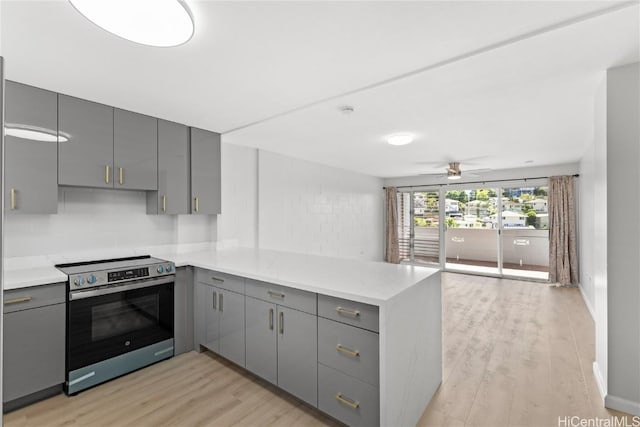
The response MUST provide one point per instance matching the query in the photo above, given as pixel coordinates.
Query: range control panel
(116, 276)
(113, 276)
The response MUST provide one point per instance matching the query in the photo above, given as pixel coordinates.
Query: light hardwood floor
(514, 354)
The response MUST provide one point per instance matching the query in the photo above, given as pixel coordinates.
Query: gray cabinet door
(261, 339)
(31, 166)
(135, 151)
(211, 319)
(86, 159)
(205, 172)
(231, 309)
(183, 311)
(34, 350)
(298, 354)
(172, 196)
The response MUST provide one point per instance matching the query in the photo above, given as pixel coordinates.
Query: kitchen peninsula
(397, 305)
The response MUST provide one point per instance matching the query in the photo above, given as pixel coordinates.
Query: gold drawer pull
(13, 199)
(17, 300)
(353, 404)
(347, 351)
(121, 175)
(107, 173)
(196, 204)
(351, 313)
(275, 294)
(164, 203)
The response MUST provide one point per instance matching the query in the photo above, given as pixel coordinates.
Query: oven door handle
(76, 295)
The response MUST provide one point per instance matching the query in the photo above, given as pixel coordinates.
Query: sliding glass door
(471, 233)
(497, 229)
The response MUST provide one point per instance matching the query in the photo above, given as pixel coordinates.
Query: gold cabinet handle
(164, 203)
(351, 313)
(271, 319)
(275, 294)
(281, 319)
(347, 351)
(353, 404)
(107, 173)
(196, 204)
(121, 175)
(17, 300)
(13, 199)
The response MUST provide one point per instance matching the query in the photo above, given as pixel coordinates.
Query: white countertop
(364, 281)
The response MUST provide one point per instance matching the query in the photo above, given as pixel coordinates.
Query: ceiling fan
(454, 172)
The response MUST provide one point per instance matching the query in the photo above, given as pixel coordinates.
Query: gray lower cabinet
(31, 166)
(183, 310)
(34, 340)
(298, 354)
(172, 196)
(282, 347)
(86, 159)
(220, 313)
(262, 355)
(205, 172)
(135, 150)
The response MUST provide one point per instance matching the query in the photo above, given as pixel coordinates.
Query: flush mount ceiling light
(160, 23)
(400, 139)
(33, 133)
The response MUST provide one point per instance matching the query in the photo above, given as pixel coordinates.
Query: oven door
(104, 323)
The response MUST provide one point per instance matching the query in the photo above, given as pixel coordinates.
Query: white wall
(592, 237)
(310, 208)
(623, 238)
(95, 219)
(238, 223)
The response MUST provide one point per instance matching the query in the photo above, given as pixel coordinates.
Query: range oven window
(124, 316)
(105, 326)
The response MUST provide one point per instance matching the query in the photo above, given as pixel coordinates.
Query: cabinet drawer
(348, 349)
(34, 296)
(350, 312)
(220, 280)
(347, 399)
(282, 295)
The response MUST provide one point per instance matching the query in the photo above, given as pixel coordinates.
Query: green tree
(531, 217)
(540, 191)
(482, 194)
(451, 223)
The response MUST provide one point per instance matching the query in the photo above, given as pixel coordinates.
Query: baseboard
(600, 382)
(587, 303)
(623, 405)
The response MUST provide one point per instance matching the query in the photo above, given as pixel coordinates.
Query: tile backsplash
(94, 219)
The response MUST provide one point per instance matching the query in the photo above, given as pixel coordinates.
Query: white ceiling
(530, 97)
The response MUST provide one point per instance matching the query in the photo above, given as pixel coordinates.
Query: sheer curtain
(392, 251)
(563, 255)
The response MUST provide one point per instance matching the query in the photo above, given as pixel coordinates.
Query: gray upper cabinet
(86, 159)
(135, 151)
(172, 196)
(205, 172)
(31, 166)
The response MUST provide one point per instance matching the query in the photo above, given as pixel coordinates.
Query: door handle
(164, 203)
(121, 175)
(347, 351)
(196, 204)
(215, 300)
(281, 320)
(221, 302)
(353, 404)
(107, 174)
(13, 199)
(351, 313)
(271, 319)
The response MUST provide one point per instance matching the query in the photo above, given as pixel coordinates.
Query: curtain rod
(478, 182)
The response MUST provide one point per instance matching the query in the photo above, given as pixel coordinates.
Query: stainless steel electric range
(119, 318)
